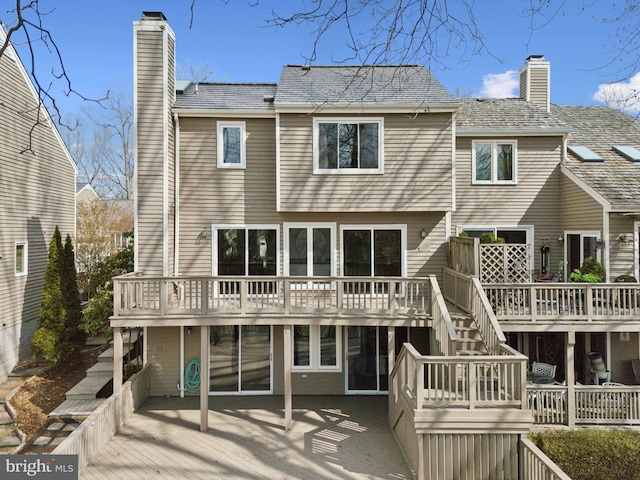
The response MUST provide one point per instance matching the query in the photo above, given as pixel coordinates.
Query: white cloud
(621, 95)
(500, 85)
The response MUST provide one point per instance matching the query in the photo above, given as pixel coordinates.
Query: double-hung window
(494, 162)
(21, 259)
(316, 347)
(348, 145)
(231, 141)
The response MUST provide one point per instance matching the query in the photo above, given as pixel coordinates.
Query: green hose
(192, 376)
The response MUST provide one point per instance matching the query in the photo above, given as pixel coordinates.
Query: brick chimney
(535, 81)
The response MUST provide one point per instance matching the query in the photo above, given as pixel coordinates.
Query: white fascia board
(626, 208)
(512, 132)
(226, 113)
(359, 108)
(586, 188)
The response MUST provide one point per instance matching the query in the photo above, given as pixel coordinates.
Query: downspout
(165, 154)
(176, 235)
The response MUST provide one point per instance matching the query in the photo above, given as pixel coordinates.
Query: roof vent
(628, 152)
(585, 154)
(268, 99)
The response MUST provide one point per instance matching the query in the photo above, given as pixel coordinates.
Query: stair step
(463, 352)
(106, 356)
(5, 418)
(101, 369)
(77, 409)
(87, 388)
(8, 437)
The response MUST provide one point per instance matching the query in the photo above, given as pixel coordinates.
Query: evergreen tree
(70, 295)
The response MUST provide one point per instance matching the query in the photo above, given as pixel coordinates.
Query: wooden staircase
(470, 342)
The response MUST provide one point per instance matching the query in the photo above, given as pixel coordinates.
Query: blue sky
(95, 39)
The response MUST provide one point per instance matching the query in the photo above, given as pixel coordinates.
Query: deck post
(288, 334)
(571, 378)
(117, 373)
(204, 377)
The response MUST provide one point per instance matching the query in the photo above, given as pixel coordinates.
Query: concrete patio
(338, 437)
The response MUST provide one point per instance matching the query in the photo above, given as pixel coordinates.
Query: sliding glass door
(240, 359)
(367, 359)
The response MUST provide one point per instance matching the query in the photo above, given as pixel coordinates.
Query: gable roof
(504, 116)
(409, 86)
(616, 178)
(226, 96)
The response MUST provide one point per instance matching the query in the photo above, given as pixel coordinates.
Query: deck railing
(535, 465)
(97, 429)
(565, 301)
(139, 295)
(467, 293)
(593, 405)
(486, 381)
(443, 329)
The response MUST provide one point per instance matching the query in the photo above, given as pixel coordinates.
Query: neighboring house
(293, 238)
(32, 203)
(85, 192)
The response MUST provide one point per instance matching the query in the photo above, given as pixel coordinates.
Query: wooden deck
(338, 437)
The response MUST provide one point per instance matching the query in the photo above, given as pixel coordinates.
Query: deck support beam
(204, 377)
(288, 400)
(117, 373)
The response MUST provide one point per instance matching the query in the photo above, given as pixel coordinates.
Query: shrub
(626, 279)
(593, 266)
(489, 237)
(593, 454)
(95, 317)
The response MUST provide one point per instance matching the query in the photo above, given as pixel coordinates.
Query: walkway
(341, 437)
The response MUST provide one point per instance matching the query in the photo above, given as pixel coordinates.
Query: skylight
(585, 154)
(628, 152)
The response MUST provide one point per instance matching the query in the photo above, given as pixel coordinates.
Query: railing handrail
(551, 470)
(257, 278)
(493, 320)
(438, 298)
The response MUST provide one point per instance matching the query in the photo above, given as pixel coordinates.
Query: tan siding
(150, 108)
(164, 359)
(535, 200)
(32, 203)
(417, 169)
(621, 256)
(580, 212)
(538, 86)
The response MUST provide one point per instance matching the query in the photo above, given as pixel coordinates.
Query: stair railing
(442, 326)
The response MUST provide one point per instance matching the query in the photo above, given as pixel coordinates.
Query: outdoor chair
(543, 369)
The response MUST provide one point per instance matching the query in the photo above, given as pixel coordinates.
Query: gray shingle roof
(617, 179)
(495, 114)
(226, 96)
(407, 85)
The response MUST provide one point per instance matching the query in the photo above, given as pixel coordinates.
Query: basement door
(240, 359)
(366, 360)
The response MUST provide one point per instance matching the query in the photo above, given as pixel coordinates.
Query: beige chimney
(535, 81)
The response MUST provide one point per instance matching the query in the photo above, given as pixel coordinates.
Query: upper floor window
(231, 145)
(348, 146)
(494, 162)
(21, 259)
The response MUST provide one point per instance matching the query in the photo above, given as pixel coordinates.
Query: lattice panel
(505, 263)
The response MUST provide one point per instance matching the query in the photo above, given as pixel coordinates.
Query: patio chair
(543, 369)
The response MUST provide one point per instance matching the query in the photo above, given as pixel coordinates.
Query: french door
(240, 359)
(366, 360)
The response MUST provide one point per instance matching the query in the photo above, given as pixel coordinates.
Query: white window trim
(314, 352)
(243, 144)
(494, 159)
(214, 233)
(25, 258)
(583, 233)
(309, 226)
(348, 171)
(372, 227)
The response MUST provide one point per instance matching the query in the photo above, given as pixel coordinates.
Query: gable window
(348, 146)
(21, 259)
(231, 145)
(316, 347)
(494, 162)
